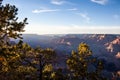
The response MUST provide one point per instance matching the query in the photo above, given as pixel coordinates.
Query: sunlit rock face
(118, 73)
(113, 46)
(117, 55)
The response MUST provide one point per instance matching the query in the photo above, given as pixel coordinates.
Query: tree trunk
(40, 67)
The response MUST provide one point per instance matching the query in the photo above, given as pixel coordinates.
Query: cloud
(58, 2)
(72, 9)
(102, 2)
(44, 10)
(61, 2)
(85, 17)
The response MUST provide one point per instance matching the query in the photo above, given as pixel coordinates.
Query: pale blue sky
(69, 16)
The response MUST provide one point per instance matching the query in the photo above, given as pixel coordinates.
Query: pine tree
(45, 57)
(11, 55)
(79, 63)
(9, 25)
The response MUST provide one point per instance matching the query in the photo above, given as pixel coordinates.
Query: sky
(69, 16)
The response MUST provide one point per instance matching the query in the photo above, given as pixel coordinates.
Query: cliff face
(113, 46)
(99, 43)
(117, 55)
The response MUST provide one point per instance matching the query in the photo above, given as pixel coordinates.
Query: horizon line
(73, 30)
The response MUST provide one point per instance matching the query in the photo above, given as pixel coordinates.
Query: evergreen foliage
(79, 64)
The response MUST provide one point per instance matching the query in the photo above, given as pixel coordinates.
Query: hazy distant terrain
(106, 47)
